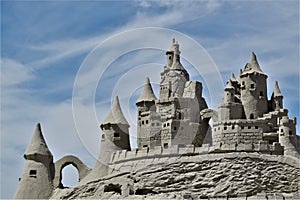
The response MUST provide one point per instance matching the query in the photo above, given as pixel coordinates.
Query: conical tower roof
(115, 115)
(229, 85)
(232, 78)
(37, 144)
(253, 66)
(147, 93)
(277, 92)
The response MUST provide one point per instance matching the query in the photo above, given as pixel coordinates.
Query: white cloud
(21, 109)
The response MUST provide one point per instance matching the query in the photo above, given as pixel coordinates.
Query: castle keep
(253, 151)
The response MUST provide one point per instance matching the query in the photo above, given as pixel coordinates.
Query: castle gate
(83, 170)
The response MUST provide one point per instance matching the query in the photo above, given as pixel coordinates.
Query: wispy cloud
(229, 31)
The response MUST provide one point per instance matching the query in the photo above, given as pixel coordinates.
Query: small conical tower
(145, 106)
(115, 137)
(277, 98)
(36, 181)
(229, 108)
(254, 89)
(115, 132)
(229, 92)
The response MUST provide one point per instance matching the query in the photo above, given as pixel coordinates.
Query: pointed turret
(229, 85)
(254, 89)
(37, 179)
(232, 78)
(253, 65)
(277, 92)
(37, 144)
(147, 93)
(277, 98)
(115, 115)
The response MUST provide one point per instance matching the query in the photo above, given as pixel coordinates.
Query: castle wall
(236, 132)
(230, 111)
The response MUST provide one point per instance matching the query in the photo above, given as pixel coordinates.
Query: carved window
(225, 127)
(142, 122)
(232, 127)
(145, 146)
(179, 115)
(251, 116)
(256, 127)
(116, 135)
(32, 173)
(249, 127)
(252, 86)
(147, 122)
(103, 136)
(242, 127)
(261, 93)
(166, 145)
(175, 128)
(290, 133)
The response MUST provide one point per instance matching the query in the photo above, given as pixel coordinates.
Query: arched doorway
(81, 168)
(69, 176)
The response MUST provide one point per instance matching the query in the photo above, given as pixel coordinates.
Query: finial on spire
(253, 57)
(232, 78)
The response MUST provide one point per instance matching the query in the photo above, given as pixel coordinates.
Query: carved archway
(82, 169)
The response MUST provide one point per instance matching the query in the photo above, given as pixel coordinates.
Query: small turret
(115, 132)
(287, 136)
(277, 98)
(229, 92)
(229, 108)
(36, 181)
(254, 89)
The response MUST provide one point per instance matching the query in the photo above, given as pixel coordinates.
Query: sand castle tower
(36, 181)
(254, 89)
(146, 108)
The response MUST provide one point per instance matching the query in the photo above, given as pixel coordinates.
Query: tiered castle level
(253, 153)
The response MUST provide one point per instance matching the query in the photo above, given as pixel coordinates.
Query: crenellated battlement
(190, 150)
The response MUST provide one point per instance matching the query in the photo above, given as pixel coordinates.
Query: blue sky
(47, 47)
